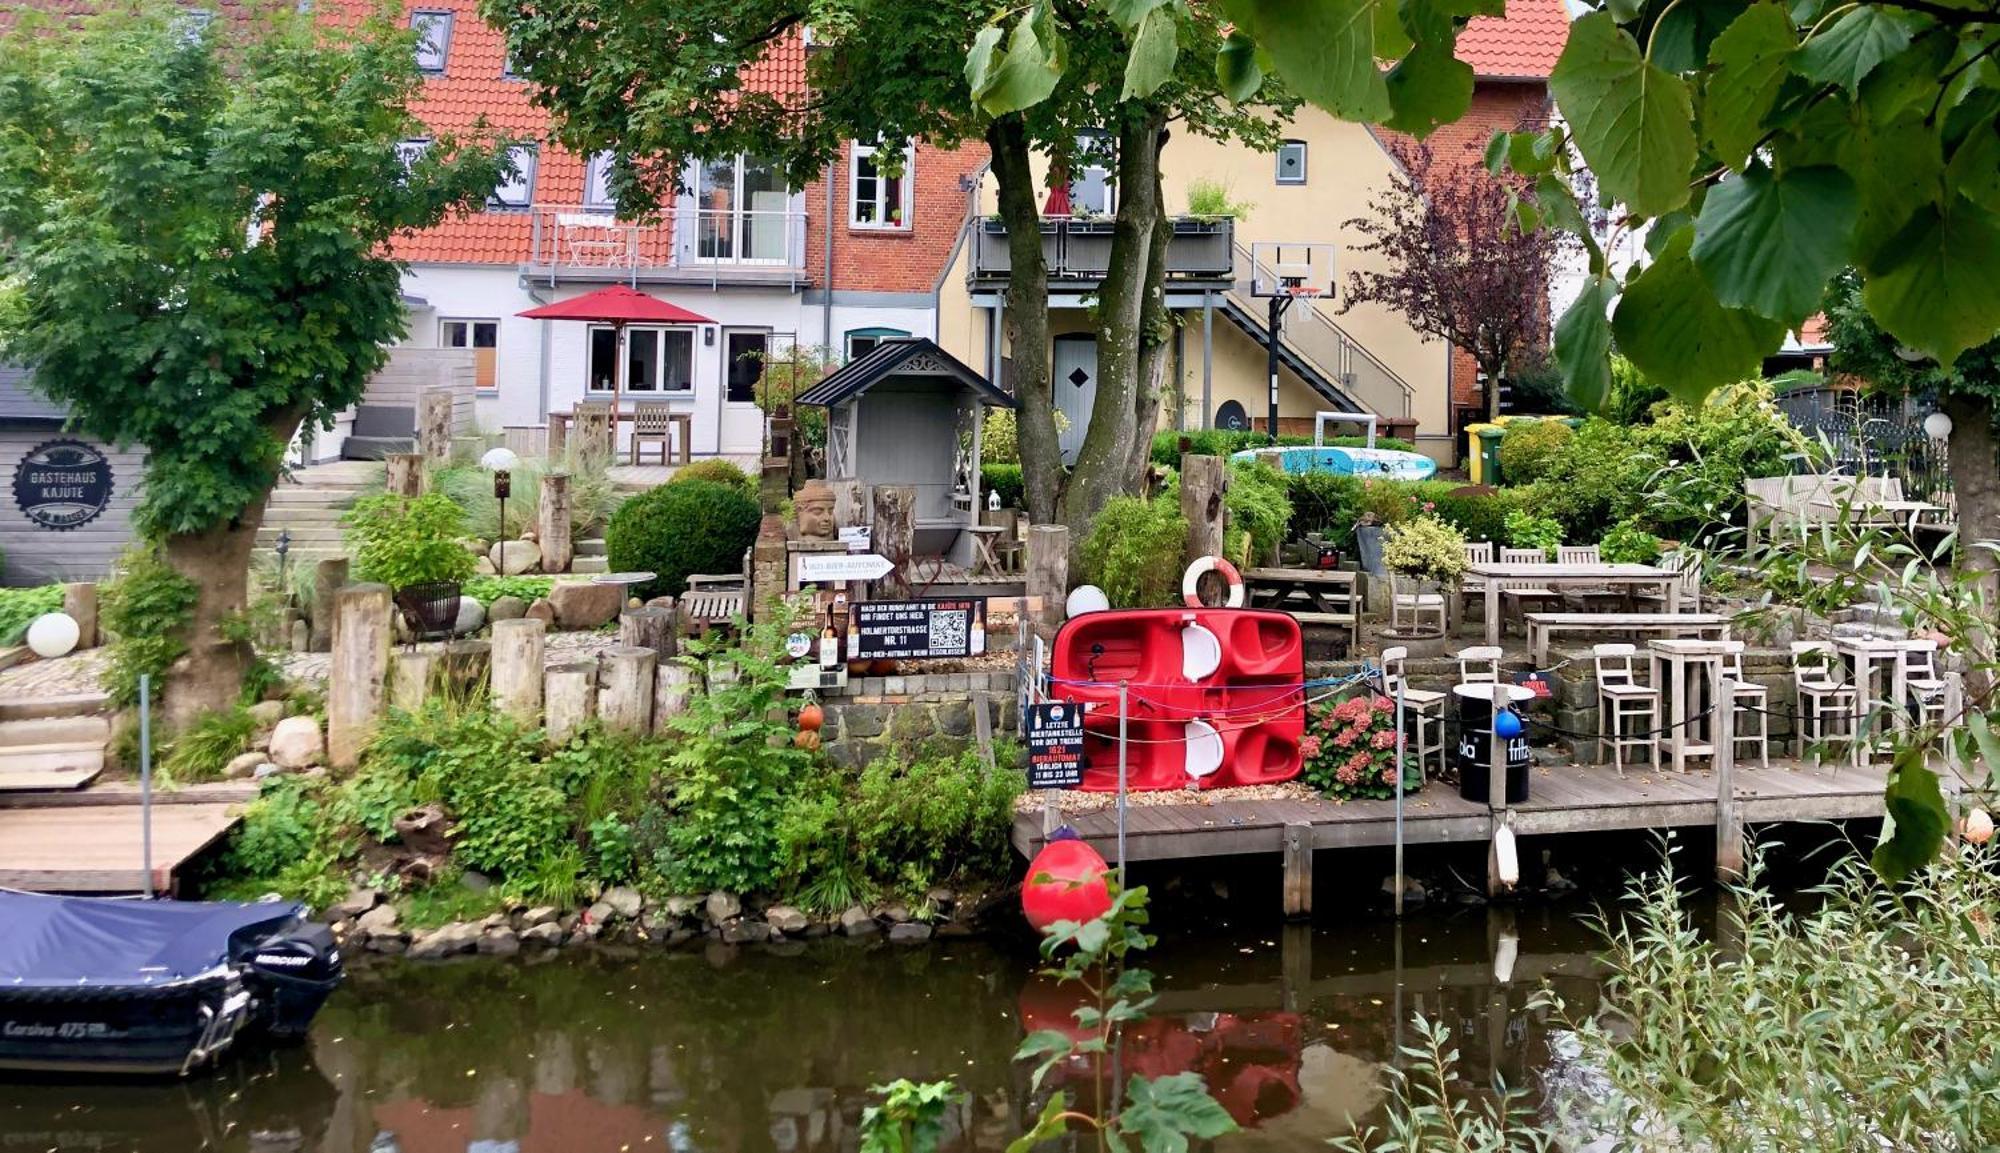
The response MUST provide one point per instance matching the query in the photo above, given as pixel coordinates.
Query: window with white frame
(483, 338)
(1092, 187)
(1292, 162)
(881, 186)
(656, 359)
(408, 152)
(862, 341)
(742, 211)
(518, 189)
(433, 39)
(597, 183)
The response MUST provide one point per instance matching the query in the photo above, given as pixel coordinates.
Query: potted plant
(1429, 552)
(412, 545)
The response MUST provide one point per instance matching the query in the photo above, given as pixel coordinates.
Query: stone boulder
(509, 608)
(548, 933)
(541, 611)
(858, 922)
(625, 903)
(539, 915)
(244, 764)
(909, 932)
(471, 617)
(743, 931)
(446, 941)
(722, 906)
(514, 557)
(786, 919)
(484, 567)
(296, 743)
(266, 714)
(499, 942)
(583, 605)
(357, 902)
(379, 921)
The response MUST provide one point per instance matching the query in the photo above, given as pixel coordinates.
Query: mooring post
(1295, 961)
(1728, 818)
(1298, 848)
(1123, 716)
(1402, 766)
(1496, 794)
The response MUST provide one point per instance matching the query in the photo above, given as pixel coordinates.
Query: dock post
(1728, 818)
(1295, 963)
(355, 689)
(1298, 869)
(1496, 798)
(1402, 766)
(1123, 716)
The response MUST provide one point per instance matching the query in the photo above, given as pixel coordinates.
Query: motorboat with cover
(104, 985)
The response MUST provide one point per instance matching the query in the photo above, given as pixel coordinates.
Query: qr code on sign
(948, 632)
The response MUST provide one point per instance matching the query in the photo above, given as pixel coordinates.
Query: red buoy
(1065, 882)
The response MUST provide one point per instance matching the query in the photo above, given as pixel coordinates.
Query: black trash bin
(1475, 731)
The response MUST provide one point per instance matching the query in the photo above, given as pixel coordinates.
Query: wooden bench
(712, 602)
(1699, 626)
(1328, 598)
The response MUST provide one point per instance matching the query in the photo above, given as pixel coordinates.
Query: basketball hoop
(1302, 291)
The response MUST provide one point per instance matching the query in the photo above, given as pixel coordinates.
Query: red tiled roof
(1522, 45)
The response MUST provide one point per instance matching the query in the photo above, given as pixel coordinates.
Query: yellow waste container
(1484, 440)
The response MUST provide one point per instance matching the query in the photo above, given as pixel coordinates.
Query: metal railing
(1871, 436)
(573, 240)
(1079, 248)
(1315, 338)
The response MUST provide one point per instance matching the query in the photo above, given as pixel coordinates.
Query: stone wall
(878, 713)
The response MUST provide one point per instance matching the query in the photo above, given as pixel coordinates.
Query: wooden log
(570, 695)
(625, 701)
(892, 536)
(405, 473)
(552, 522)
(434, 425)
(328, 577)
(850, 503)
(1048, 576)
(355, 692)
(1204, 480)
(80, 603)
(673, 686)
(651, 627)
(517, 668)
(412, 672)
(1298, 848)
(1728, 815)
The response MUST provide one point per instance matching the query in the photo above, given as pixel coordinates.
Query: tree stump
(892, 536)
(434, 425)
(464, 665)
(850, 503)
(328, 577)
(625, 702)
(1204, 481)
(570, 693)
(672, 686)
(651, 627)
(355, 691)
(405, 473)
(411, 674)
(1048, 576)
(517, 668)
(552, 522)
(80, 602)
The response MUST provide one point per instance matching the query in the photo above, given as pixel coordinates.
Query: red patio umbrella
(1058, 201)
(617, 305)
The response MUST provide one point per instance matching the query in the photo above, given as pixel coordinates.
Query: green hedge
(676, 530)
(20, 607)
(1007, 479)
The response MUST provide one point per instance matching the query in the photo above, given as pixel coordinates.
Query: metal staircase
(1312, 345)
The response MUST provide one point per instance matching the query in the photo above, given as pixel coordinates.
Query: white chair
(1621, 702)
(1479, 552)
(1407, 610)
(1923, 682)
(1686, 562)
(1479, 665)
(1425, 708)
(1585, 598)
(1476, 552)
(1752, 700)
(1578, 554)
(1523, 595)
(1826, 700)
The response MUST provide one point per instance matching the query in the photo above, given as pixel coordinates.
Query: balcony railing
(686, 244)
(1080, 248)
(1319, 340)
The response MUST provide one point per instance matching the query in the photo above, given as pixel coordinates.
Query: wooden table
(1688, 676)
(1542, 626)
(1312, 596)
(683, 422)
(1863, 655)
(1489, 576)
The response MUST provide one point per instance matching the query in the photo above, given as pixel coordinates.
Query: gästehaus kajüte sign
(62, 484)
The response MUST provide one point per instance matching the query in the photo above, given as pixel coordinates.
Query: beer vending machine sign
(1055, 745)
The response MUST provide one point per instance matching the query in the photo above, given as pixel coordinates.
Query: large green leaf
(1583, 344)
(1427, 88)
(1020, 77)
(1917, 818)
(1855, 45)
(1154, 48)
(1165, 1111)
(1236, 70)
(1750, 61)
(1670, 325)
(1769, 243)
(1681, 38)
(1896, 167)
(1975, 168)
(1632, 121)
(1325, 50)
(1936, 284)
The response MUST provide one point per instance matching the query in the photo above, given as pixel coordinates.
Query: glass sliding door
(743, 212)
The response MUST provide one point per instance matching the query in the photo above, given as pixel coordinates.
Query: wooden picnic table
(1488, 577)
(1313, 596)
(1543, 626)
(560, 422)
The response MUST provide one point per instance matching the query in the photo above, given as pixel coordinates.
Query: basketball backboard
(1291, 268)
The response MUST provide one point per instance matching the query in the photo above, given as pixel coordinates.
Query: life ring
(1191, 579)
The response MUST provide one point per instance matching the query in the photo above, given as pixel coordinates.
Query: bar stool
(1622, 699)
(1752, 699)
(1923, 685)
(1425, 708)
(1826, 700)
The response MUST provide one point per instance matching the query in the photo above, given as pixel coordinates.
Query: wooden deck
(1562, 799)
(90, 842)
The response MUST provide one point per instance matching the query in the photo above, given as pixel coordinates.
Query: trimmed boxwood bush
(717, 471)
(690, 526)
(1530, 448)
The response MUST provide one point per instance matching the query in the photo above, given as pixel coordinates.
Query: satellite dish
(1086, 599)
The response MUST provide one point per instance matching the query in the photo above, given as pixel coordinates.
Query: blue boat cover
(68, 941)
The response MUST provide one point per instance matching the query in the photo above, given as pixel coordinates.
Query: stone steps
(39, 708)
(53, 752)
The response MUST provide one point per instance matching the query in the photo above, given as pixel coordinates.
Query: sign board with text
(841, 566)
(1055, 745)
(919, 629)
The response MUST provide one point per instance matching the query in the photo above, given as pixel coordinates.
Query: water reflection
(722, 1052)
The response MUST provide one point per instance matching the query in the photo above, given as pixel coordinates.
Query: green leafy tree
(193, 258)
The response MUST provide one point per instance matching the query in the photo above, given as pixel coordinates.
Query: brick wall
(894, 260)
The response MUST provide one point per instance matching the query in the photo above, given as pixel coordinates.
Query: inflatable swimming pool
(1388, 463)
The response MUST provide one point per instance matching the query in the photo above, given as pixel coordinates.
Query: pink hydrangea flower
(1386, 739)
(1309, 747)
(1359, 761)
(1347, 774)
(1384, 705)
(1389, 776)
(1344, 739)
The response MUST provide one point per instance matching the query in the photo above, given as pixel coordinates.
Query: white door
(1075, 388)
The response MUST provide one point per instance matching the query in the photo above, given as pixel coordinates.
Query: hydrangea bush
(1350, 749)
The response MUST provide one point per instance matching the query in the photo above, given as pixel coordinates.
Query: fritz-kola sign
(62, 484)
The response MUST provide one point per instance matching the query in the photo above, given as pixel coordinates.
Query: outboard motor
(290, 972)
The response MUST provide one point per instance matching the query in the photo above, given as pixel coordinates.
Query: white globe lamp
(1937, 426)
(54, 635)
(1086, 599)
(499, 460)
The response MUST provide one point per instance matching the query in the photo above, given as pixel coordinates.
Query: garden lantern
(501, 462)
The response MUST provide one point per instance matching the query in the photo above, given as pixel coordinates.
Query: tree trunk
(1104, 462)
(1027, 320)
(1156, 331)
(1975, 481)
